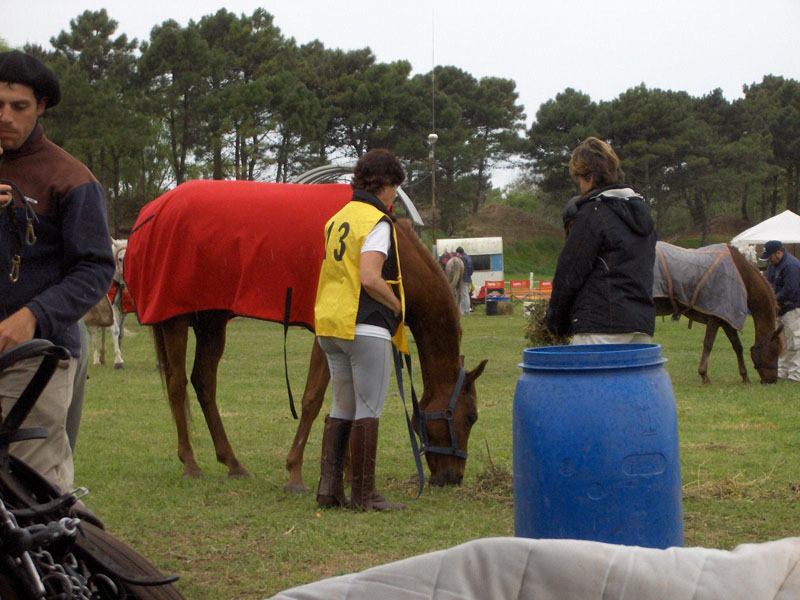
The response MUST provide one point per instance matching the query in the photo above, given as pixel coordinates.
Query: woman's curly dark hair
(377, 169)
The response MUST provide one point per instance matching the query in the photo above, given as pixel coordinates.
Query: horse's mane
(437, 276)
(749, 271)
(408, 229)
(755, 274)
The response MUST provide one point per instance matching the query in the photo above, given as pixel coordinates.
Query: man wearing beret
(783, 272)
(62, 275)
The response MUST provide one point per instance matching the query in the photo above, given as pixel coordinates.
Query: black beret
(18, 67)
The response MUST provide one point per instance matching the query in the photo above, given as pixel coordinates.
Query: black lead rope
(286, 316)
(15, 236)
(398, 369)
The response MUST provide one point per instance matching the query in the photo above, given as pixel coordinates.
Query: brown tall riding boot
(330, 491)
(363, 447)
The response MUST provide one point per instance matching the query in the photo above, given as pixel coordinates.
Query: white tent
(784, 227)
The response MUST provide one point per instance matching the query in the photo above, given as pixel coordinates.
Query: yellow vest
(339, 286)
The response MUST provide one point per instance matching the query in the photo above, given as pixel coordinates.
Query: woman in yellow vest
(359, 309)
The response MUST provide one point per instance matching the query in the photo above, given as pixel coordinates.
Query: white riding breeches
(610, 338)
(360, 370)
(789, 360)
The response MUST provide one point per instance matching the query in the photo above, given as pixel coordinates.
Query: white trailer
(486, 254)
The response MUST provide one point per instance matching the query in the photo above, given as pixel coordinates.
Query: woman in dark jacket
(603, 286)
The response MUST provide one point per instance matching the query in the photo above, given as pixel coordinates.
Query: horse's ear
(777, 332)
(476, 372)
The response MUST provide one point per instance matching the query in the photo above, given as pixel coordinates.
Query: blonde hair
(595, 160)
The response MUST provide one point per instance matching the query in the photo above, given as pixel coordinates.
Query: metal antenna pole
(431, 143)
(433, 137)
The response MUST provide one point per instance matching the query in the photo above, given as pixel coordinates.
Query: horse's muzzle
(446, 477)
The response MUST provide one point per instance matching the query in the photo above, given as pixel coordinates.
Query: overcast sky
(599, 47)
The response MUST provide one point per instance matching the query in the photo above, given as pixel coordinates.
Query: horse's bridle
(423, 418)
(756, 353)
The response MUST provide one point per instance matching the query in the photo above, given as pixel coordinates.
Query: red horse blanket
(231, 245)
(127, 304)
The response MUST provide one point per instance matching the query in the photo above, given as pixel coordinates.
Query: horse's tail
(455, 274)
(162, 364)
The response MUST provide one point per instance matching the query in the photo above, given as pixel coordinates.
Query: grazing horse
(760, 300)
(258, 253)
(434, 320)
(454, 270)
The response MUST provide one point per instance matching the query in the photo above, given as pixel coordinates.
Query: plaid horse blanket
(241, 246)
(705, 280)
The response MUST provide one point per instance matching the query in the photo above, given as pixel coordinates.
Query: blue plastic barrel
(596, 446)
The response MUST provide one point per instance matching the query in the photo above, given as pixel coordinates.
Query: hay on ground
(535, 330)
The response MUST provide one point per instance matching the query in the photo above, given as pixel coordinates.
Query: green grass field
(247, 539)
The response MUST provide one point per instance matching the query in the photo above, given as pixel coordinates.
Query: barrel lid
(592, 357)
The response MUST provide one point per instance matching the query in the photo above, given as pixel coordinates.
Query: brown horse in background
(762, 306)
(431, 315)
(434, 320)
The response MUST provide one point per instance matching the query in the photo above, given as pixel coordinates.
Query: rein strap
(398, 370)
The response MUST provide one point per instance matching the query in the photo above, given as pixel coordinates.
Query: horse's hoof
(198, 474)
(240, 473)
(295, 488)
(119, 365)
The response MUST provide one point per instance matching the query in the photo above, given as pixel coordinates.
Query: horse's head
(444, 425)
(119, 247)
(765, 355)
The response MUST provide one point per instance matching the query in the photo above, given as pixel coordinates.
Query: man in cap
(61, 276)
(783, 272)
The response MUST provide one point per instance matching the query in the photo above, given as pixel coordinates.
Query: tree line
(693, 158)
(231, 97)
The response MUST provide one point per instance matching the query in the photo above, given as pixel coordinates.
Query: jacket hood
(629, 206)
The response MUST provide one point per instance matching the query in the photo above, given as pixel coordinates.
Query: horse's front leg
(712, 325)
(95, 350)
(115, 335)
(736, 343)
(209, 329)
(314, 394)
(117, 305)
(171, 337)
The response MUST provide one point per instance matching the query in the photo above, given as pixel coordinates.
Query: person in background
(469, 269)
(63, 274)
(358, 314)
(603, 285)
(783, 273)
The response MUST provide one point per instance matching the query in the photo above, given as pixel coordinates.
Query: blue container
(491, 304)
(596, 446)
